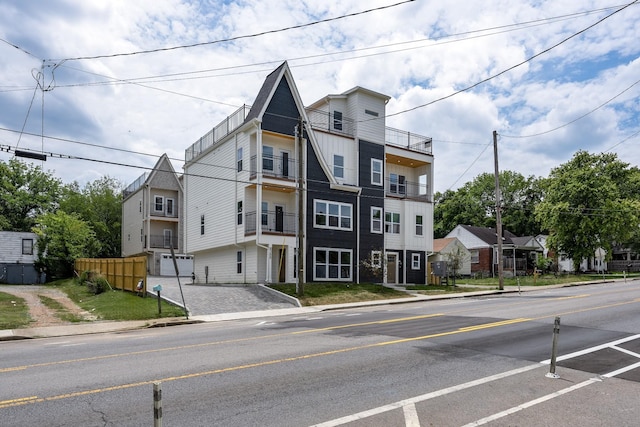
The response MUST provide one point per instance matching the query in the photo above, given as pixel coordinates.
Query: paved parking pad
(216, 299)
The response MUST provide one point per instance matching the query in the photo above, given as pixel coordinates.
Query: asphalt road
(439, 363)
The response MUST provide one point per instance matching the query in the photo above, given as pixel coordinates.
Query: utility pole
(301, 216)
(498, 213)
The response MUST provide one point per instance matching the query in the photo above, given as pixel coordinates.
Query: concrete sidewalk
(222, 301)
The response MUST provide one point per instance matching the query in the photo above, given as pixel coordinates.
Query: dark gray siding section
(417, 277)
(371, 196)
(282, 114)
(318, 188)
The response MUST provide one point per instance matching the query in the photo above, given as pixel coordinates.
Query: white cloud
(432, 49)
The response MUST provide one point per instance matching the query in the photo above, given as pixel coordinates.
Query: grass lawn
(117, 304)
(337, 293)
(541, 280)
(14, 313)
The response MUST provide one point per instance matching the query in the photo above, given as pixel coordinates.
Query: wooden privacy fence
(121, 273)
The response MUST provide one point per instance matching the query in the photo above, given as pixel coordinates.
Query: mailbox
(157, 288)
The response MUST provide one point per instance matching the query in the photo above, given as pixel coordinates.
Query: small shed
(18, 257)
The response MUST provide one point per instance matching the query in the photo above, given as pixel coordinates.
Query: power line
(309, 24)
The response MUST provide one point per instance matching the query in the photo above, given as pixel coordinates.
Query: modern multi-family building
(152, 219)
(366, 206)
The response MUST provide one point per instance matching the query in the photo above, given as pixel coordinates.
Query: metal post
(498, 213)
(554, 349)
(157, 404)
(159, 304)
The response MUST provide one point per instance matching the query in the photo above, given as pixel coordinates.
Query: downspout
(259, 201)
(243, 247)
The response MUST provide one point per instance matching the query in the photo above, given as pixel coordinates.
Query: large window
(267, 158)
(419, 226)
(376, 259)
(376, 219)
(331, 264)
(27, 246)
(338, 166)
(332, 215)
(376, 172)
(392, 223)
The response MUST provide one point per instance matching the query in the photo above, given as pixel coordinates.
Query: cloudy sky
(115, 84)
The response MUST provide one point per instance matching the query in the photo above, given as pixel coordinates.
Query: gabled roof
(489, 235)
(440, 244)
(264, 95)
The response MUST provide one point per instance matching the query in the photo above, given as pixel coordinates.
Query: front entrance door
(279, 219)
(392, 268)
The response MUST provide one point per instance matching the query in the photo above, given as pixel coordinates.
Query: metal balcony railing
(272, 222)
(407, 189)
(160, 241)
(223, 129)
(275, 167)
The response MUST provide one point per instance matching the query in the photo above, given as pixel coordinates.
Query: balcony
(164, 242)
(273, 222)
(402, 189)
(324, 121)
(273, 167)
(408, 140)
(223, 129)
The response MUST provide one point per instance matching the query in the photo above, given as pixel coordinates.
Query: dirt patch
(40, 314)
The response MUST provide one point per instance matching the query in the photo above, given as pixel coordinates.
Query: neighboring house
(565, 264)
(366, 191)
(447, 250)
(18, 255)
(624, 258)
(152, 220)
(519, 253)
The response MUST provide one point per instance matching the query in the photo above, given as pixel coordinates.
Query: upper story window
(239, 159)
(240, 212)
(376, 172)
(337, 120)
(202, 224)
(239, 262)
(419, 225)
(376, 219)
(392, 223)
(158, 205)
(332, 215)
(170, 210)
(27, 246)
(338, 166)
(267, 158)
(397, 184)
(265, 213)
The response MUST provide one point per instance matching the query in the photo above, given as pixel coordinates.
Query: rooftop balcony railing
(131, 188)
(404, 139)
(322, 120)
(223, 129)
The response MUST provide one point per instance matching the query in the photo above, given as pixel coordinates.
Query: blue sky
(120, 112)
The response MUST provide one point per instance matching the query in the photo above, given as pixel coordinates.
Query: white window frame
(239, 207)
(475, 256)
(420, 226)
(337, 120)
(202, 225)
(376, 176)
(330, 212)
(391, 226)
(376, 221)
(167, 233)
(155, 203)
(239, 159)
(268, 157)
(239, 262)
(338, 166)
(416, 260)
(376, 259)
(333, 271)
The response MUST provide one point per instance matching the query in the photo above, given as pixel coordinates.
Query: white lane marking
(531, 403)
(411, 415)
(624, 350)
(592, 349)
(622, 370)
(74, 345)
(432, 395)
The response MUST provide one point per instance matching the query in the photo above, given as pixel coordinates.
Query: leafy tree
(62, 238)
(474, 204)
(26, 191)
(590, 202)
(99, 205)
